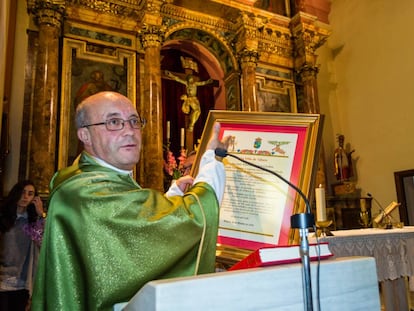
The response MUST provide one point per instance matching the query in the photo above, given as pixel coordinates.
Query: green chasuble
(105, 237)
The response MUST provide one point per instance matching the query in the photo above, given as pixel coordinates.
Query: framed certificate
(257, 205)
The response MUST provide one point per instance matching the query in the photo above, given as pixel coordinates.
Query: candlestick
(363, 205)
(182, 137)
(168, 131)
(320, 203)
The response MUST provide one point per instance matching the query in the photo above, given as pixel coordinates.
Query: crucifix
(191, 104)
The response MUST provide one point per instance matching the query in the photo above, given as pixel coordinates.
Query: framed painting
(88, 69)
(256, 207)
(275, 95)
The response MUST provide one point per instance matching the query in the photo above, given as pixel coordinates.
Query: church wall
(365, 90)
(17, 95)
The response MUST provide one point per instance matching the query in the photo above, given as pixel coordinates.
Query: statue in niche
(343, 161)
(191, 104)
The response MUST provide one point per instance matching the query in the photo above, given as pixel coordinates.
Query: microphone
(220, 152)
(301, 221)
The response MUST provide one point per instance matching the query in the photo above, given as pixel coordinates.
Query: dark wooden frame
(399, 177)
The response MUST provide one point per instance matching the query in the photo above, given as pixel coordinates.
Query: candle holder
(323, 228)
(364, 219)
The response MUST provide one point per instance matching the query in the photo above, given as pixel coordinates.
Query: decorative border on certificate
(256, 206)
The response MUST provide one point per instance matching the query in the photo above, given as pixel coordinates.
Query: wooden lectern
(348, 283)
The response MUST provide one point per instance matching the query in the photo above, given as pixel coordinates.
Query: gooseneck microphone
(301, 221)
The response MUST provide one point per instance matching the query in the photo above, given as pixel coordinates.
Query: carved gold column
(42, 146)
(247, 43)
(308, 36)
(152, 36)
(248, 63)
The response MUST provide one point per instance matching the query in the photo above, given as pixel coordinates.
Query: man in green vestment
(105, 236)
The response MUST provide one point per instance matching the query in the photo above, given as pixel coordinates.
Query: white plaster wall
(366, 90)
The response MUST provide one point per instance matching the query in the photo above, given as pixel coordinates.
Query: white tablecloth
(393, 249)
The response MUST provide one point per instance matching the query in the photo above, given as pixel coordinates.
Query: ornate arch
(183, 43)
(216, 44)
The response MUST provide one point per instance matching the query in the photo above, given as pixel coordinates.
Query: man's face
(119, 148)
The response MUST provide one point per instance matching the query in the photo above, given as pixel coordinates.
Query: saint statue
(343, 161)
(191, 105)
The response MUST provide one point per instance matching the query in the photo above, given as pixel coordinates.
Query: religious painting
(233, 92)
(89, 69)
(258, 202)
(275, 95)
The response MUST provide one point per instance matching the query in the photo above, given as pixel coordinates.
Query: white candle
(182, 137)
(320, 203)
(168, 130)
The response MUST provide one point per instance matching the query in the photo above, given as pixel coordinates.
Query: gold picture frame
(87, 69)
(256, 207)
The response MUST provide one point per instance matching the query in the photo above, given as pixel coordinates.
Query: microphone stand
(384, 214)
(302, 221)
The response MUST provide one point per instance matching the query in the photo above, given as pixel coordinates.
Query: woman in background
(21, 230)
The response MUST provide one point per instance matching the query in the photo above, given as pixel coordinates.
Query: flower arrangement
(172, 166)
(35, 230)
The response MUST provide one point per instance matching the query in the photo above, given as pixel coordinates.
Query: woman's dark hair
(8, 209)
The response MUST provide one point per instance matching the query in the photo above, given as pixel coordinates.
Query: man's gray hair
(81, 115)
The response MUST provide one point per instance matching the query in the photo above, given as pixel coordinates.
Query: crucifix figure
(191, 105)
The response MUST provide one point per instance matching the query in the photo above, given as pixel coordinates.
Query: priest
(105, 236)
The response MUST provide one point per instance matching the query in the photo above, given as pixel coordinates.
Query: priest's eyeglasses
(117, 124)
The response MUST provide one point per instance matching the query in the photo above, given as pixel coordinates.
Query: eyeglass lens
(118, 124)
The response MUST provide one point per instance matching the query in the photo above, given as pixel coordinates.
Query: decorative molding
(47, 12)
(308, 36)
(152, 35)
(216, 45)
(248, 58)
(308, 72)
(101, 36)
(182, 14)
(125, 8)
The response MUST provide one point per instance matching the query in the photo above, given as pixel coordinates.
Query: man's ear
(84, 136)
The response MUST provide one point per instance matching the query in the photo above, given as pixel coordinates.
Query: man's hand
(37, 202)
(214, 142)
(184, 182)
